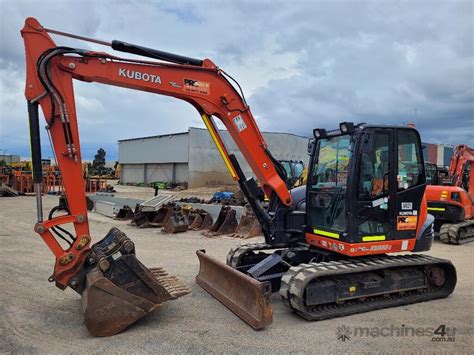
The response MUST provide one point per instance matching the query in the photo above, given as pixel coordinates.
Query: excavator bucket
(124, 214)
(246, 297)
(248, 227)
(162, 215)
(119, 289)
(226, 222)
(194, 220)
(202, 222)
(142, 219)
(177, 222)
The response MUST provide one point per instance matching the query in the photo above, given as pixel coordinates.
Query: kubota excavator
(326, 244)
(452, 202)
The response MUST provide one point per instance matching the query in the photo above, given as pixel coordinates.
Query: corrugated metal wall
(146, 160)
(206, 167)
(171, 148)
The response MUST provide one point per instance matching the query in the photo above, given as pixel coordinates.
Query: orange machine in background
(52, 182)
(452, 202)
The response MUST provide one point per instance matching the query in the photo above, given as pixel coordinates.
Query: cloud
(302, 64)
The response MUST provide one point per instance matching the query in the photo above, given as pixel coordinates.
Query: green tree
(99, 160)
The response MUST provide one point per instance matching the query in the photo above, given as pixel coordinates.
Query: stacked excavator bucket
(119, 289)
(226, 222)
(124, 214)
(176, 222)
(199, 220)
(248, 227)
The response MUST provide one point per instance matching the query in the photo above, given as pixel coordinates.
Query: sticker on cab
(406, 223)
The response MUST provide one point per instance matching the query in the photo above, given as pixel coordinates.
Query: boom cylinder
(154, 53)
(35, 143)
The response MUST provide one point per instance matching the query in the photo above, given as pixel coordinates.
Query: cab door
(410, 183)
(373, 188)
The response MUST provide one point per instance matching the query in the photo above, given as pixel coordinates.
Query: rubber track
(449, 232)
(235, 254)
(295, 281)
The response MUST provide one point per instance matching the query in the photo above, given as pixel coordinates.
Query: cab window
(374, 179)
(409, 160)
(331, 166)
(374, 168)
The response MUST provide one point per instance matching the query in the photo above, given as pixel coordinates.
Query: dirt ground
(38, 317)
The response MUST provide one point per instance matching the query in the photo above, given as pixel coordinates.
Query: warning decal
(239, 123)
(406, 222)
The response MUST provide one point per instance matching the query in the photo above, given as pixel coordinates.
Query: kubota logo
(133, 74)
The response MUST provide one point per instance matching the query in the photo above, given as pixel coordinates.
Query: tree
(99, 160)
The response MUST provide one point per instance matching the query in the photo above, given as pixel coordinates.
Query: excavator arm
(462, 156)
(49, 84)
(94, 270)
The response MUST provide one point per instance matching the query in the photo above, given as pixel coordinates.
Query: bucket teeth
(172, 284)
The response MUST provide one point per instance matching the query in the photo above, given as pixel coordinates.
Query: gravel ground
(38, 317)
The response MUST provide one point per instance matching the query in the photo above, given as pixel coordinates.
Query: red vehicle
(452, 202)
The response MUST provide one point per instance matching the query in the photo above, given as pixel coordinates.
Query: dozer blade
(246, 297)
(120, 290)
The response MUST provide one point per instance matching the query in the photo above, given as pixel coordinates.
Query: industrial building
(10, 158)
(439, 154)
(192, 157)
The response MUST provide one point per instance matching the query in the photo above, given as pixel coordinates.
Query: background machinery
(434, 174)
(451, 202)
(325, 244)
(294, 171)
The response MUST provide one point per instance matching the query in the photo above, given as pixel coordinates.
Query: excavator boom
(116, 288)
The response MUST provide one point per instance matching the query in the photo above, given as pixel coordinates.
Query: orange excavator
(326, 243)
(452, 201)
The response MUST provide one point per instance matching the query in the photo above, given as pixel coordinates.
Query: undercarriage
(318, 284)
(457, 233)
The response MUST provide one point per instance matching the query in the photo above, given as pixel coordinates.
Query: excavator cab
(366, 185)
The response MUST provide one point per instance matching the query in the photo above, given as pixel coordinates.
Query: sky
(301, 64)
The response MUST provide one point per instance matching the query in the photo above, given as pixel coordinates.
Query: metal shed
(192, 157)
